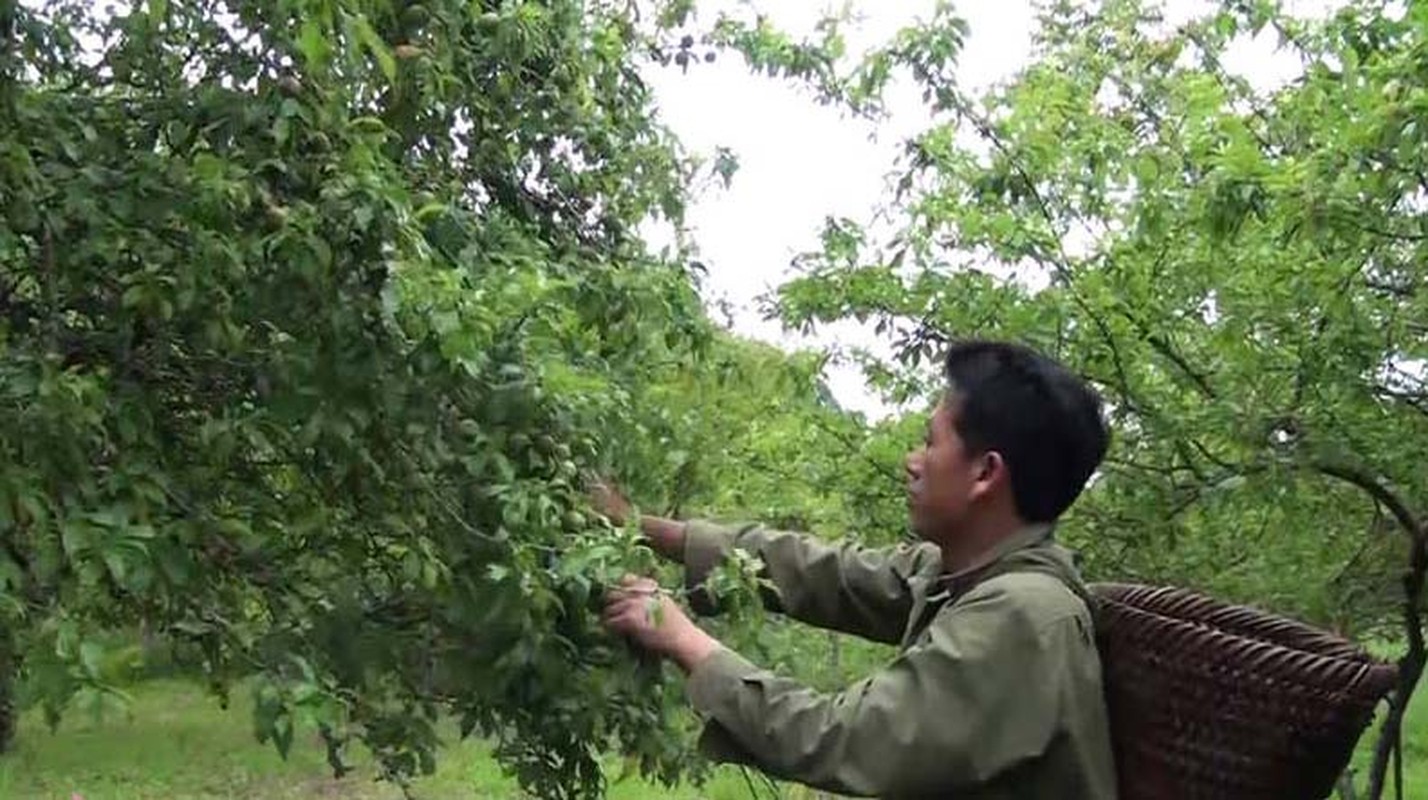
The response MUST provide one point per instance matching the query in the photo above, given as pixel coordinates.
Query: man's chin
(917, 530)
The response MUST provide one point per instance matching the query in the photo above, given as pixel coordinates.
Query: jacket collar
(1032, 535)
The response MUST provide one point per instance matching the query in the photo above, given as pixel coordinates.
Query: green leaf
(76, 537)
(374, 44)
(313, 43)
(430, 210)
(91, 655)
(283, 734)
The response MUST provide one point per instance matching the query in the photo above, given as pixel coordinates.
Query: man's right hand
(608, 500)
(665, 536)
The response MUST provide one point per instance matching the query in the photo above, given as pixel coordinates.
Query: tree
(315, 316)
(1238, 269)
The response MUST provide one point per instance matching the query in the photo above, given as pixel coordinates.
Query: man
(996, 690)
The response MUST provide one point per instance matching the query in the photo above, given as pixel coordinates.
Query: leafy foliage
(315, 316)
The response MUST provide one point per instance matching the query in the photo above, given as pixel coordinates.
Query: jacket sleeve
(978, 693)
(843, 587)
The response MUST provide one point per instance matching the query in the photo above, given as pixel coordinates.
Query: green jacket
(995, 691)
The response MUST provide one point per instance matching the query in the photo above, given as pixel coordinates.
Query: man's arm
(666, 536)
(980, 693)
(844, 587)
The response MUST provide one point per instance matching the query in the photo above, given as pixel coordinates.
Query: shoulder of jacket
(1037, 598)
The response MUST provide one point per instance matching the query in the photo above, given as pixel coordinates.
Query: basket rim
(1261, 640)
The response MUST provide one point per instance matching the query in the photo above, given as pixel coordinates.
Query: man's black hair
(1044, 420)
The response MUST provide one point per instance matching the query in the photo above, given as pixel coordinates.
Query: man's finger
(621, 595)
(632, 586)
(621, 610)
(624, 625)
(619, 605)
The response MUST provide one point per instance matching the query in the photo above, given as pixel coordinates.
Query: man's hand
(607, 500)
(664, 535)
(643, 611)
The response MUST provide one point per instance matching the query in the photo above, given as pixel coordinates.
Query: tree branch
(1162, 346)
(1410, 671)
(1396, 235)
(854, 449)
(1129, 464)
(1415, 400)
(1410, 667)
(1376, 489)
(1061, 265)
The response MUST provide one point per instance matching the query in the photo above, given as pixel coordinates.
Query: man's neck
(978, 547)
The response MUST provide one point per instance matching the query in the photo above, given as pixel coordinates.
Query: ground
(180, 744)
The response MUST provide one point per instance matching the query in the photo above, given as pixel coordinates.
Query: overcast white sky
(800, 162)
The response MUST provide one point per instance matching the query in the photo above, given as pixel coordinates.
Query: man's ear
(991, 473)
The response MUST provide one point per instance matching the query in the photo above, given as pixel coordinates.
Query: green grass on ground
(1415, 751)
(179, 745)
(1415, 737)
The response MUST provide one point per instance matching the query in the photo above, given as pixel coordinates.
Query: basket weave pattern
(1210, 700)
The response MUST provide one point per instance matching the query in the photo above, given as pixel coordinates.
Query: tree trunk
(1411, 668)
(9, 669)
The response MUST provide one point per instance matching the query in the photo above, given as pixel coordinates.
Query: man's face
(942, 479)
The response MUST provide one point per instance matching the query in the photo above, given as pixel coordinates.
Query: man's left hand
(643, 611)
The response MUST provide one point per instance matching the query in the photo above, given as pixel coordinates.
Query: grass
(1414, 739)
(178, 743)
(1415, 751)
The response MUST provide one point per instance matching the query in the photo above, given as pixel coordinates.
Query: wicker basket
(1210, 700)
